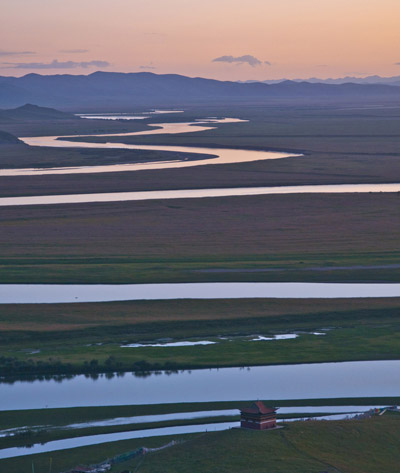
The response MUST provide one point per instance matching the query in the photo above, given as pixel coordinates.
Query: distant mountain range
(395, 80)
(119, 91)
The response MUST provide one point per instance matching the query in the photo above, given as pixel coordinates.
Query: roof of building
(258, 407)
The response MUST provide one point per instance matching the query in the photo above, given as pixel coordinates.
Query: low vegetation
(329, 237)
(87, 338)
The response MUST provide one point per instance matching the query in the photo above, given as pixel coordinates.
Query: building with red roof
(258, 417)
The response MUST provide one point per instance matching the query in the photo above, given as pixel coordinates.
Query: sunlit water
(125, 116)
(195, 194)
(216, 155)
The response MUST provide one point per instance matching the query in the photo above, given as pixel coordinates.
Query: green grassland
(357, 446)
(88, 337)
(348, 447)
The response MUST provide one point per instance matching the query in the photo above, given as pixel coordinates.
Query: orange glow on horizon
(299, 38)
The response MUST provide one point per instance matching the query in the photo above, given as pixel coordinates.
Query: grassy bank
(337, 345)
(87, 338)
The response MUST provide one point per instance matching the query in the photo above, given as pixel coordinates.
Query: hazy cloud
(16, 53)
(397, 63)
(56, 64)
(74, 51)
(149, 66)
(247, 58)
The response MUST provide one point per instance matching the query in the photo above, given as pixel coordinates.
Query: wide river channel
(302, 381)
(71, 293)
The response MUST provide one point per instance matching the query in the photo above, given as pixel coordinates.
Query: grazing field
(365, 446)
(355, 446)
(321, 237)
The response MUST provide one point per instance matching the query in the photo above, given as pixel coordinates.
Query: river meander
(214, 155)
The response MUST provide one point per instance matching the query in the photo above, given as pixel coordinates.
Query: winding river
(208, 156)
(215, 155)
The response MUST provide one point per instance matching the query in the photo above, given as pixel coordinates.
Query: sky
(219, 39)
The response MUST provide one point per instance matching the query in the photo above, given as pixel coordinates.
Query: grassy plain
(264, 238)
(361, 446)
(320, 237)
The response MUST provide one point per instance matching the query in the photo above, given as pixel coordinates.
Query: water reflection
(306, 381)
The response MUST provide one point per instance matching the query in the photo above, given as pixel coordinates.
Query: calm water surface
(303, 381)
(69, 293)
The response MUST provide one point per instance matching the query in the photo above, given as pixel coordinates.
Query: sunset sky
(252, 39)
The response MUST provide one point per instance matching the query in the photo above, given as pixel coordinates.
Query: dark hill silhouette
(113, 90)
(29, 112)
(8, 139)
